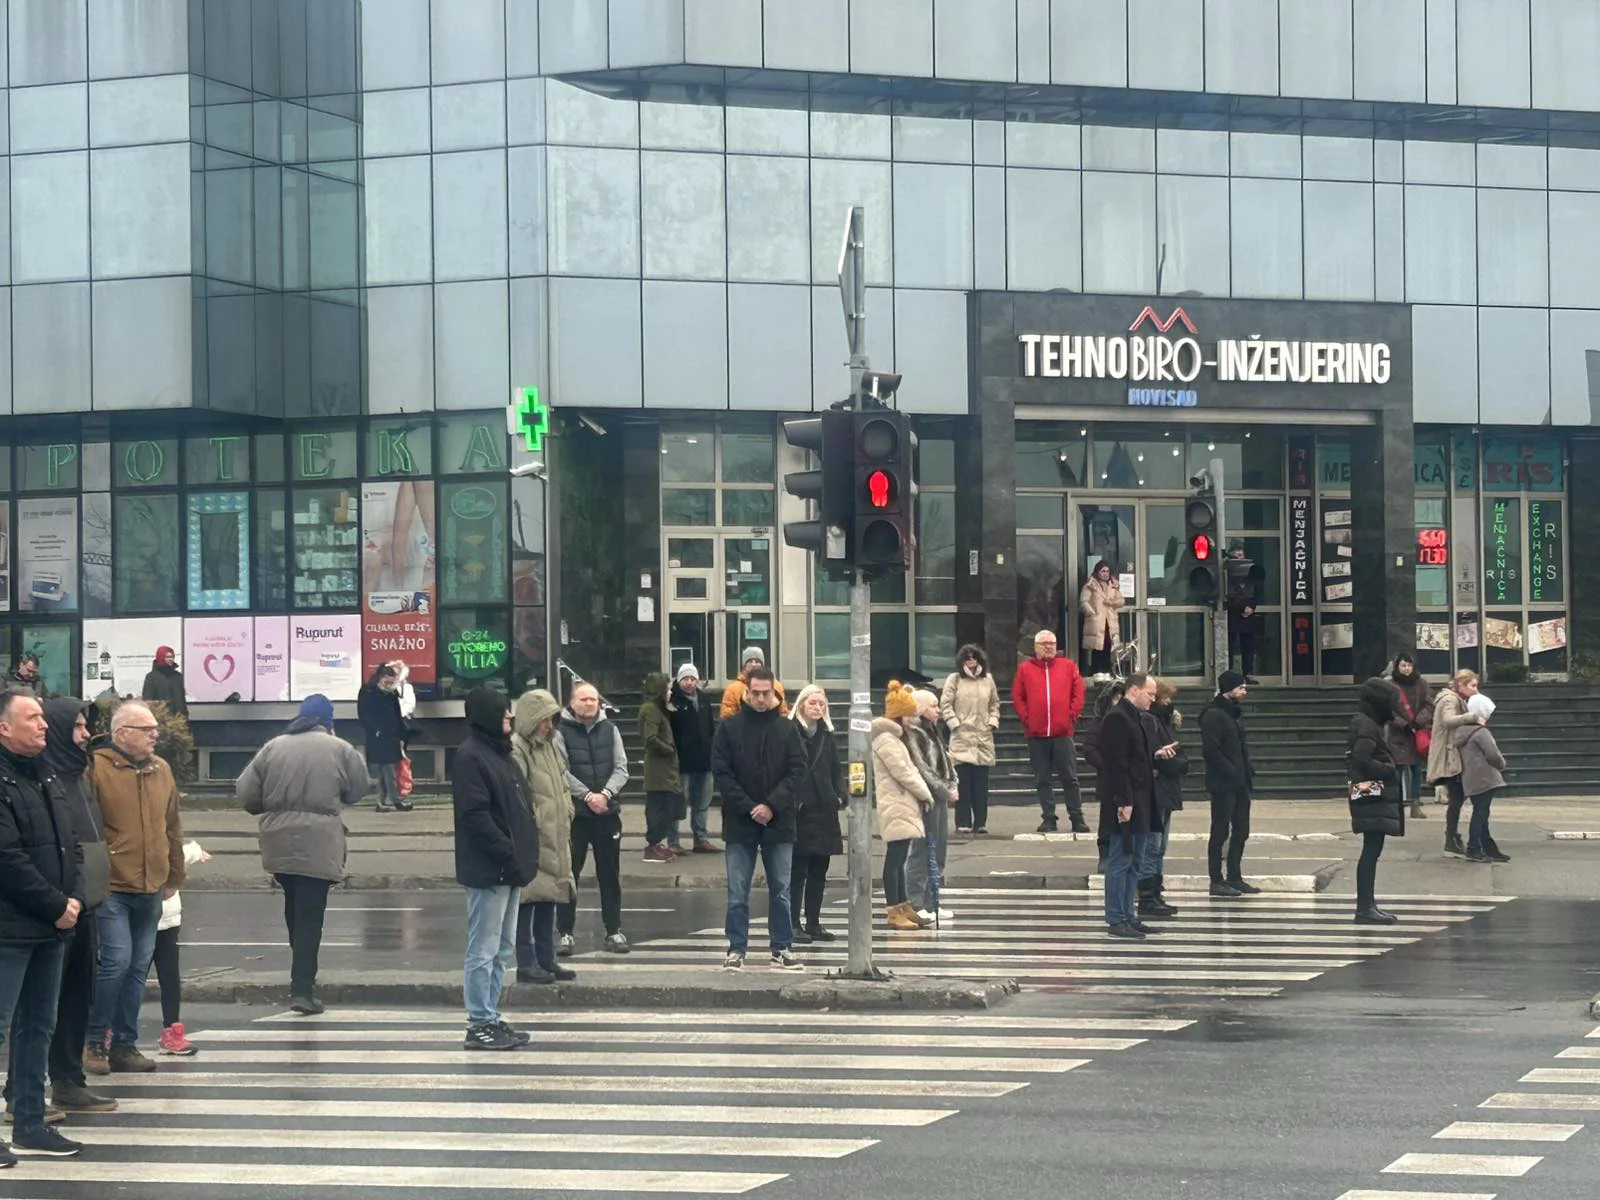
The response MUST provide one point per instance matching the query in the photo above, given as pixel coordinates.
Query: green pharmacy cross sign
(530, 417)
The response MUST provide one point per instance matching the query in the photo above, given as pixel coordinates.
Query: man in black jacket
(759, 761)
(692, 730)
(597, 771)
(497, 853)
(39, 901)
(1126, 787)
(1229, 778)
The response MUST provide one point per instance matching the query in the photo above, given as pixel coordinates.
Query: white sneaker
(924, 914)
(946, 915)
(568, 946)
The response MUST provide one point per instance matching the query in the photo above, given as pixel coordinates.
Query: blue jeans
(491, 937)
(30, 981)
(1478, 835)
(778, 858)
(1155, 853)
(1411, 782)
(925, 866)
(127, 927)
(697, 790)
(1123, 856)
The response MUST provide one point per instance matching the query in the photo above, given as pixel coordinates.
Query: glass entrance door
(718, 590)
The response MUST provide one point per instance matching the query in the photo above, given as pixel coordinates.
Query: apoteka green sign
(477, 653)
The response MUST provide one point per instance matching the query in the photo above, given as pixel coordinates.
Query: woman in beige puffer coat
(1444, 758)
(1098, 604)
(901, 796)
(535, 748)
(970, 706)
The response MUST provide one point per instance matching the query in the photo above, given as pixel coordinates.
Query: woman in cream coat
(1098, 604)
(970, 706)
(901, 796)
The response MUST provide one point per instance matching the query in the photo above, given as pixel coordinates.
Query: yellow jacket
(144, 828)
(733, 696)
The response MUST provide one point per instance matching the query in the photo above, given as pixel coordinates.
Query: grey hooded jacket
(298, 784)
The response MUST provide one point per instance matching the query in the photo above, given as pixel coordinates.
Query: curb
(1576, 835)
(444, 991)
(1190, 837)
(999, 880)
(1267, 883)
(1594, 1009)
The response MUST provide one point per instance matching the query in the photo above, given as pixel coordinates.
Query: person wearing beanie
(692, 721)
(818, 835)
(165, 682)
(1376, 810)
(970, 706)
(1230, 776)
(733, 694)
(1481, 764)
(497, 855)
(901, 797)
(378, 710)
(663, 787)
(299, 784)
(925, 866)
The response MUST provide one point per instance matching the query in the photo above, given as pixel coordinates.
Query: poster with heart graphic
(218, 658)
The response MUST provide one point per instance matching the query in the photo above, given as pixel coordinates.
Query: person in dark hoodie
(663, 787)
(1229, 778)
(378, 710)
(692, 720)
(66, 756)
(597, 771)
(1172, 764)
(497, 854)
(165, 682)
(1377, 811)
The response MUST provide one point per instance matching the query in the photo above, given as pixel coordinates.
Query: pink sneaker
(173, 1041)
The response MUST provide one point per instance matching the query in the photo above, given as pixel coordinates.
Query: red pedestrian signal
(1200, 546)
(879, 487)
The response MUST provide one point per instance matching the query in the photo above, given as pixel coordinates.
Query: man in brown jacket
(139, 805)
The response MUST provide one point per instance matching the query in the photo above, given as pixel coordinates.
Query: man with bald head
(138, 800)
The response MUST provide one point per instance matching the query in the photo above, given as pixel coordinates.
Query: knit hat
(924, 699)
(686, 671)
(1481, 706)
(1227, 681)
(900, 701)
(318, 708)
(806, 693)
(755, 652)
(165, 652)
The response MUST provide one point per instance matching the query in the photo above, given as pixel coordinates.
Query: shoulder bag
(1420, 738)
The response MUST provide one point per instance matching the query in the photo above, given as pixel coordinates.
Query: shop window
(1245, 515)
(1333, 464)
(148, 463)
(1533, 464)
(1547, 582)
(530, 651)
(688, 506)
(223, 459)
(476, 649)
(47, 554)
(96, 552)
(747, 507)
(1039, 512)
(1052, 456)
(50, 468)
(96, 476)
(1502, 551)
(936, 548)
(1547, 641)
(1432, 554)
(399, 448)
(688, 457)
(1336, 641)
(891, 637)
(1433, 640)
(270, 451)
(1337, 552)
(695, 553)
(527, 541)
(1135, 461)
(219, 550)
(5, 468)
(936, 644)
(270, 547)
(747, 457)
(1252, 460)
(1260, 573)
(472, 544)
(936, 462)
(1041, 587)
(319, 454)
(1432, 466)
(55, 645)
(326, 548)
(472, 444)
(835, 593)
(145, 540)
(1502, 640)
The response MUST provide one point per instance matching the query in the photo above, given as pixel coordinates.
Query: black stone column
(1583, 571)
(990, 471)
(641, 540)
(1383, 513)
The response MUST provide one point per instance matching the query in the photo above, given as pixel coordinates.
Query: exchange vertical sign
(1300, 550)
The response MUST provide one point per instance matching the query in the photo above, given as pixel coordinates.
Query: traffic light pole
(1219, 621)
(859, 847)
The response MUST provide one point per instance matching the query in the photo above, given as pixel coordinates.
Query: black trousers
(536, 935)
(72, 1009)
(603, 835)
(972, 803)
(1230, 826)
(1055, 757)
(165, 963)
(1367, 871)
(1244, 645)
(305, 903)
(1452, 814)
(807, 877)
(660, 812)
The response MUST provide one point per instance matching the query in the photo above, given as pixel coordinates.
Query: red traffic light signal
(880, 487)
(1200, 546)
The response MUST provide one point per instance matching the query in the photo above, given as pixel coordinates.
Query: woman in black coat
(1376, 807)
(1171, 767)
(378, 710)
(818, 799)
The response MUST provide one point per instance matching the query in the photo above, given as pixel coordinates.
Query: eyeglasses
(144, 728)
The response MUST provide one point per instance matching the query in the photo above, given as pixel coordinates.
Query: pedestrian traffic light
(829, 439)
(884, 492)
(1201, 551)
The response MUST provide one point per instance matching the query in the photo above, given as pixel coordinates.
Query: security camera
(592, 425)
(535, 468)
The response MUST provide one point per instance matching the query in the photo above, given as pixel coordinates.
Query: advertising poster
(271, 642)
(218, 659)
(397, 577)
(473, 555)
(5, 556)
(1547, 635)
(118, 654)
(1433, 635)
(47, 554)
(324, 656)
(97, 554)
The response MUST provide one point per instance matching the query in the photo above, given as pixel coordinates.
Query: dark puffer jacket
(1226, 749)
(820, 794)
(379, 714)
(497, 841)
(68, 761)
(1169, 771)
(596, 762)
(692, 719)
(38, 852)
(758, 759)
(1369, 760)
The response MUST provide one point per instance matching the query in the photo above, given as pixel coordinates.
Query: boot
(901, 916)
(128, 1060)
(1454, 845)
(1492, 849)
(1417, 811)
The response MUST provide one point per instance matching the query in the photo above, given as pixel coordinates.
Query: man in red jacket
(1048, 696)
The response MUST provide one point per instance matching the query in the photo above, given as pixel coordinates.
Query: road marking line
(1347, 942)
(950, 947)
(705, 964)
(1533, 1101)
(736, 1037)
(532, 1020)
(1581, 1051)
(550, 1056)
(1370, 1194)
(1508, 1131)
(1561, 1075)
(336, 908)
(1503, 1166)
(1031, 893)
(272, 945)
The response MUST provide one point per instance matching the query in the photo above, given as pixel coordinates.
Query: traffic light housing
(828, 533)
(885, 489)
(1202, 553)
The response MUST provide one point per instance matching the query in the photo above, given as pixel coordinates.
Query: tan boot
(1417, 809)
(901, 916)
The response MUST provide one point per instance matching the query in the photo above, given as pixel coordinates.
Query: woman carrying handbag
(1377, 808)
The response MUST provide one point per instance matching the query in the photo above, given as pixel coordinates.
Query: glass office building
(365, 224)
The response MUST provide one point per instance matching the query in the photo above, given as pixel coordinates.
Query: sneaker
(1124, 930)
(307, 1005)
(562, 974)
(95, 1059)
(522, 1036)
(403, 806)
(7, 1159)
(43, 1142)
(784, 960)
(1048, 825)
(981, 830)
(1156, 909)
(925, 915)
(1478, 856)
(69, 1097)
(1147, 930)
(1079, 825)
(706, 848)
(1243, 888)
(1454, 845)
(52, 1114)
(1498, 856)
(490, 1035)
(802, 938)
(127, 1060)
(1225, 890)
(945, 914)
(658, 854)
(818, 934)
(173, 1042)
(733, 961)
(385, 806)
(617, 943)
(567, 947)
(963, 828)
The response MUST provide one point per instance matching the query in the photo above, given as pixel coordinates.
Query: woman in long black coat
(819, 798)
(1377, 810)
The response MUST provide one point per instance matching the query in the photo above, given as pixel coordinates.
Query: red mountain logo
(1149, 314)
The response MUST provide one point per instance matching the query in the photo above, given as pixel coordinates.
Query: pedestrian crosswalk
(1253, 947)
(385, 1101)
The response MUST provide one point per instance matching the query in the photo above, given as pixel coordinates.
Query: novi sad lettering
(1157, 398)
(1238, 360)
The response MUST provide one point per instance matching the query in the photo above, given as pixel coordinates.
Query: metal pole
(859, 963)
(1219, 618)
